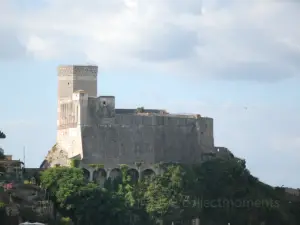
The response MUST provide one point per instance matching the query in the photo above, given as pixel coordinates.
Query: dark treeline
(2, 135)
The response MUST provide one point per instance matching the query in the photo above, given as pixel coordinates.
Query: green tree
(3, 216)
(181, 193)
(229, 193)
(93, 205)
(165, 194)
(131, 192)
(61, 183)
(140, 110)
(84, 203)
(2, 135)
(2, 156)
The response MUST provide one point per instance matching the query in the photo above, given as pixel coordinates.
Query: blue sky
(235, 61)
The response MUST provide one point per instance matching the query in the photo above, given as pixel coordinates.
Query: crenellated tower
(72, 79)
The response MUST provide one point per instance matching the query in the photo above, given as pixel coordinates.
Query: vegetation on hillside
(140, 110)
(2, 156)
(2, 136)
(218, 191)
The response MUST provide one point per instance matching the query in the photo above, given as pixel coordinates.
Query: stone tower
(74, 78)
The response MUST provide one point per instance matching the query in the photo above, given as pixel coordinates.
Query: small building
(10, 169)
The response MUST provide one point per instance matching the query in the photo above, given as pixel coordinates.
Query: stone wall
(223, 152)
(70, 141)
(113, 144)
(68, 115)
(153, 138)
(100, 109)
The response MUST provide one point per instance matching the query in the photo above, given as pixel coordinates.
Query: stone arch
(133, 173)
(99, 176)
(147, 173)
(114, 173)
(86, 174)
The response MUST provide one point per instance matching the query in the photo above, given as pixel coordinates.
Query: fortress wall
(134, 138)
(177, 144)
(101, 110)
(152, 120)
(72, 114)
(205, 132)
(69, 140)
(202, 126)
(129, 120)
(115, 144)
(68, 117)
(223, 152)
(209, 127)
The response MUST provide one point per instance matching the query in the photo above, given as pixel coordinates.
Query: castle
(91, 130)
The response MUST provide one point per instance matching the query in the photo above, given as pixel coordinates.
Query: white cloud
(225, 39)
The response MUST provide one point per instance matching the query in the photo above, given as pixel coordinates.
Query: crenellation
(85, 70)
(64, 71)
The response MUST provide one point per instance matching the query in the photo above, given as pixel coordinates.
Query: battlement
(191, 116)
(133, 111)
(77, 70)
(157, 119)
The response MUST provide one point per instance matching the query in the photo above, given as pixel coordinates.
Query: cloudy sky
(235, 61)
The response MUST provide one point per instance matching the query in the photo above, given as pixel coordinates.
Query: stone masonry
(91, 129)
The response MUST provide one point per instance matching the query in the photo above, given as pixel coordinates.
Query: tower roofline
(64, 66)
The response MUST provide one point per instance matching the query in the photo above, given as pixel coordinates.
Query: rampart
(131, 138)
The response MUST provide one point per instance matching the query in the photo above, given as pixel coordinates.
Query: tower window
(104, 103)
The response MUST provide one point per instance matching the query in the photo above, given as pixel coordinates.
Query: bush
(2, 205)
(75, 163)
(65, 221)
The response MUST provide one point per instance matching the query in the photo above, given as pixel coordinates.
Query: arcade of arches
(100, 175)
